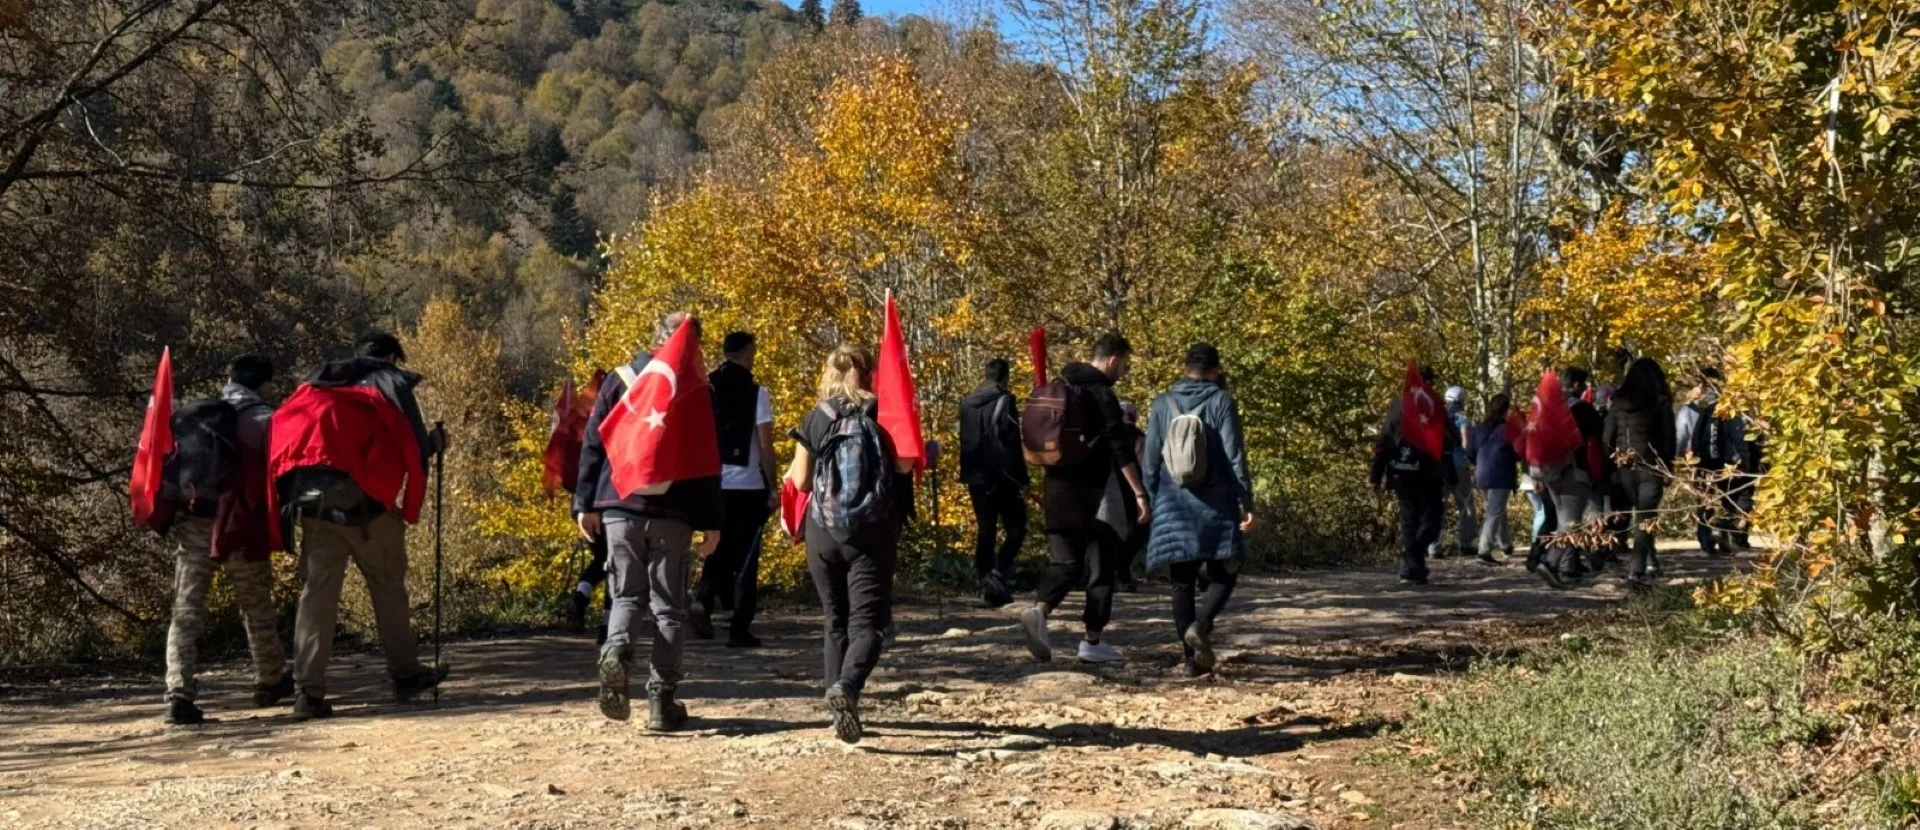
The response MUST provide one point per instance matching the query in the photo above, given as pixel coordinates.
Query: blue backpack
(852, 475)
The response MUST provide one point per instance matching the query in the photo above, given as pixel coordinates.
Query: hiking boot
(1100, 653)
(1033, 623)
(743, 641)
(1201, 642)
(1411, 579)
(701, 618)
(405, 689)
(664, 713)
(994, 592)
(845, 710)
(613, 685)
(1487, 558)
(1551, 575)
(1193, 669)
(182, 712)
(576, 611)
(307, 707)
(268, 696)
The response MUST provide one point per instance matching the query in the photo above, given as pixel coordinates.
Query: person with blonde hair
(859, 498)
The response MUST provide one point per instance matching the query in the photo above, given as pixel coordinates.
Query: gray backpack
(1184, 453)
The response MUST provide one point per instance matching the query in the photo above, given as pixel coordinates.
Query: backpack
(1053, 426)
(1184, 452)
(205, 463)
(330, 495)
(1710, 440)
(852, 475)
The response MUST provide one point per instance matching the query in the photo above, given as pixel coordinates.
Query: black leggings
(1642, 489)
(855, 581)
(1221, 576)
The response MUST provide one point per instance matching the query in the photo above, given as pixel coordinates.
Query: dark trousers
(855, 581)
(1714, 523)
(1185, 576)
(1638, 499)
(1740, 500)
(731, 576)
(997, 507)
(1423, 510)
(1094, 550)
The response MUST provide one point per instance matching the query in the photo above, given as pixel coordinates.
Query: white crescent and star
(655, 418)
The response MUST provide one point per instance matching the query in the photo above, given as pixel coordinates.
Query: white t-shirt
(748, 476)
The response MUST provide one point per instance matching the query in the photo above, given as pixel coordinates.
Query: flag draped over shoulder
(156, 443)
(1423, 423)
(1551, 433)
(899, 404)
(662, 430)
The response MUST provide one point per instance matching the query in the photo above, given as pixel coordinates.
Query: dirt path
(965, 731)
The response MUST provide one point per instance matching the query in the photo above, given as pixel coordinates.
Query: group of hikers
(670, 474)
(1596, 479)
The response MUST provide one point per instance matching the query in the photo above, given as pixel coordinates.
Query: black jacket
(394, 383)
(990, 451)
(695, 501)
(1643, 431)
(1073, 492)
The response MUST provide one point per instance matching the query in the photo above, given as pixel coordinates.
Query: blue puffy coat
(1202, 522)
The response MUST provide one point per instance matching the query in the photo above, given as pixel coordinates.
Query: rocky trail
(965, 730)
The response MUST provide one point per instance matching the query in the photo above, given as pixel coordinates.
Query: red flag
(1551, 431)
(662, 430)
(893, 384)
(1037, 350)
(156, 443)
(793, 508)
(1423, 423)
(553, 461)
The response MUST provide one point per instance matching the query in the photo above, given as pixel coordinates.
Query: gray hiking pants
(379, 549)
(252, 583)
(649, 560)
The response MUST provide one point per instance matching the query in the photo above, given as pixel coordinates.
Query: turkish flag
(1037, 350)
(893, 384)
(560, 462)
(662, 429)
(156, 443)
(793, 508)
(1423, 423)
(1552, 434)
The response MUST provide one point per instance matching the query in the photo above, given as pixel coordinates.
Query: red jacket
(356, 430)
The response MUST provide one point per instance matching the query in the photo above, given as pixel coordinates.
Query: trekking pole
(439, 520)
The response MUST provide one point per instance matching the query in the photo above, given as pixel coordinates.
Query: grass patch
(1662, 732)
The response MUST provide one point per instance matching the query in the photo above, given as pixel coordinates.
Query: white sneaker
(1100, 653)
(1033, 623)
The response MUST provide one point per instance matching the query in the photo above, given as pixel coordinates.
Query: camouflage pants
(192, 576)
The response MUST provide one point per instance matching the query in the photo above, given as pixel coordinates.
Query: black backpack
(205, 463)
(852, 475)
(1710, 449)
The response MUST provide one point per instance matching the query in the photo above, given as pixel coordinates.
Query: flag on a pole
(156, 443)
(560, 462)
(1037, 351)
(899, 415)
(662, 430)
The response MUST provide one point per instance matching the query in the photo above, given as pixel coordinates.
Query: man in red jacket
(348, 466)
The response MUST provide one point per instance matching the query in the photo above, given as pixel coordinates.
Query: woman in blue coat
(1202, 495)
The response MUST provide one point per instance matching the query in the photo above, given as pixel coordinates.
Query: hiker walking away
(1419, 481)
(1195, 466)
(853, 523)
(1570, 477)
(216, 481)
(743, 418)
(1074, 427)
(348, 463)
(1466, 527)
(1746, 477)
(1639, 430)
(1702, 435)
(998, 484)
(650, 546)
(1496, 473)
